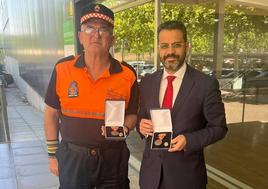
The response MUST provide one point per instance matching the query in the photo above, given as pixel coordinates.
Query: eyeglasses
(101, 31)
(176, 45)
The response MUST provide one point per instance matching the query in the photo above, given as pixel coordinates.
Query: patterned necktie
(168, 98)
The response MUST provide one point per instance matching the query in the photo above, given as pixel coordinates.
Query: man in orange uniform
(75, 106)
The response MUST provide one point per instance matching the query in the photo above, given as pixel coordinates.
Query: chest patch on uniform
(73, 89)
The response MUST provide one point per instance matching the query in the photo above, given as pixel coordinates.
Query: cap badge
(97, 8)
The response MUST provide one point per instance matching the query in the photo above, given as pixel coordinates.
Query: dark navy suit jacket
(198, 113)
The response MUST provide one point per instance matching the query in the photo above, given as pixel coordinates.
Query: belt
(89, 151)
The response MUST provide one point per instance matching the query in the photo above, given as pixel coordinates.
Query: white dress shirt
(176, 84)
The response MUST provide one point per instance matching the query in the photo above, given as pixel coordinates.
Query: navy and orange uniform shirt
(81, 101)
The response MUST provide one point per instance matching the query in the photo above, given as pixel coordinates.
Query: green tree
(244, 31)
(135, 28)
(243, 28)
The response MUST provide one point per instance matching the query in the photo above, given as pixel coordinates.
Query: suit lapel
(186, 86)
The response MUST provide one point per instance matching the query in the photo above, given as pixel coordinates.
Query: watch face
(121, 134)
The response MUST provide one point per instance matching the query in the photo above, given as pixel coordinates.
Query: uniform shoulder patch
(67, 58)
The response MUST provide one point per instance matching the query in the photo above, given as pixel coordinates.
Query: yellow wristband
(52, 147)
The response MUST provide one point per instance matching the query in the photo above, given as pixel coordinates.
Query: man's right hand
(53, 166)
(146, 127)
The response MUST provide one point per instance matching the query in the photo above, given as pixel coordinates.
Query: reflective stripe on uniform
(78, 113)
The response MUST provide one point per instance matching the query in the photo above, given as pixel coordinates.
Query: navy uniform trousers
(93, 167)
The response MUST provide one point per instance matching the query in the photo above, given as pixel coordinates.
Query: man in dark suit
(197, 113)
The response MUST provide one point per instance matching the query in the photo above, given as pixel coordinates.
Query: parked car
(256, 79)
(229, 60)
(207, 71)
(136, 64)
(147, 69)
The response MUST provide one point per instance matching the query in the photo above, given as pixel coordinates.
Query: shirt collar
(179, 74)
(115, 66)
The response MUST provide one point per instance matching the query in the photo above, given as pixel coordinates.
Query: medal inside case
(115, 132)
(161, 140)
(162, 125)
(114, 120)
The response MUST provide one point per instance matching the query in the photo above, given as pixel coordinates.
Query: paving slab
(28, 170)
(30, 159)
(9, 183)
(6, 172)
(38, 181)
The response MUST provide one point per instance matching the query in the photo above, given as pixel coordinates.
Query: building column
(218, 37)
(157, 17)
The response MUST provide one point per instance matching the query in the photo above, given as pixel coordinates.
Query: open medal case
(162, 124)
(114, 120)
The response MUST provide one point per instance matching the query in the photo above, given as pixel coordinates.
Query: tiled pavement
(23, 161)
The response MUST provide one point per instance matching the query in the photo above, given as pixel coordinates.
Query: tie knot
(170, 78)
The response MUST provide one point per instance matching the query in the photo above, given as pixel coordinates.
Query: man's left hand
(178, 143)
